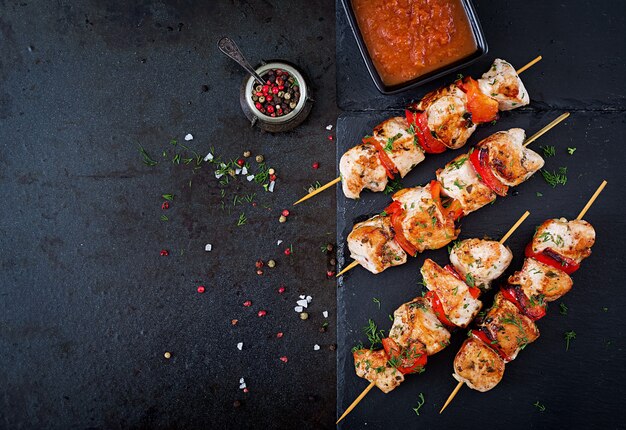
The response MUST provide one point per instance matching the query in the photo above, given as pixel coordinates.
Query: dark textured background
(88, 307)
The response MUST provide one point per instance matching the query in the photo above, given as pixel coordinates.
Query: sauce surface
(409, 38)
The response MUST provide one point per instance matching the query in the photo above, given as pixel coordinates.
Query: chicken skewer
(417, 220)
(444, 118)
(421, 325)
(556, 250)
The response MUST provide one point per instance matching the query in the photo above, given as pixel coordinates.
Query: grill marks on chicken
(371, 244)
(460, 182)
(510, 161)
(571, 239)
(504, 84)
(360, 168)
(480, 260)
(541, 282)
(399, 144)
(374, 366)
(478, 366)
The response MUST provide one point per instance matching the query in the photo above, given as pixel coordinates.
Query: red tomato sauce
(409, 38)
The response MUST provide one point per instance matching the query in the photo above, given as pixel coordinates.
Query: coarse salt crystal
(329, 127)
(218, 175)
(309, 298)
(250, 177)
(279, 242)
(237, 171)
(188, 137)
(208, 247)
(271, 187)
(298, 309)
(325, 313)
(208, 157)
(316, 347)
(242, 384)
(302, 303)
(302, 297)
(244, 170)
(240, 346)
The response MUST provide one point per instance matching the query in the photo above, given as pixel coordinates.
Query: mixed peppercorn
(280, 94)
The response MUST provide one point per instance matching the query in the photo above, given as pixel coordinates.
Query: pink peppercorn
(285, 212)
(262, 313)
(281, 290)
(316, 165)
(245, 390)
(201, 289)
(275, 90)
(164, 253)
(272, 177)
(247, 303)
(284, 359)
(241, 162)
(288, 251)
(279, 334)
(165, 205)
(330, 273)
(330, 137)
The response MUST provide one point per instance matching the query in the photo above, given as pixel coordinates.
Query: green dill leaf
(569, 336)
(420, 403)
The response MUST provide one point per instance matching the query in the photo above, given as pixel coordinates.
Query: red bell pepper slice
(394, 210)
(435, 303)
(411, 359)
(552, 258)
(515, 295)
(428, 142)
(482, 107)
(481, 335)
(475, 292)
(389, 166)
(453, 211)
(480, 161)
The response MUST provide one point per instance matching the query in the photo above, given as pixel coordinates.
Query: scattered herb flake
(539, 406)
(420, 403)
(375, 300)
(549, 151)
(571, 151)
(164, 218)
(569, 336)
(242, 220)
(147, 159)
(562, 309)
(555, 178)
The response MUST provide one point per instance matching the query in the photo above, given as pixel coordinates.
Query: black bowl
(477, 30)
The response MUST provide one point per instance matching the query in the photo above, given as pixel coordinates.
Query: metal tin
(477, 30)
(281, 123)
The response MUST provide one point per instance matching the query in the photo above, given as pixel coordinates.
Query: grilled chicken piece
(458, 304)
(460, 181)
(416, 320)
(510, 161)
(503, 83)
(508, 328)
(479, 366)
(371, 244)
(541, 282)
(373, 366)
(571, 239)
(480, 261)
(423, 224)
(400, 145)
(448, 119)
(360, 168)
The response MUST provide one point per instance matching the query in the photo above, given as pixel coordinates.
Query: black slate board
(582, 44)
(581, 388)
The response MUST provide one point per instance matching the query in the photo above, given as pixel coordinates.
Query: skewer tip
(452, 395)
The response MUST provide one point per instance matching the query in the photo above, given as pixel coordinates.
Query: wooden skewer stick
(356, 401)
(319, 190)
(371, 385)
(529, 65)
(528, 141)
(545, 129)
(591, 200)
(580, 216)
(348, 267)
(337, 180)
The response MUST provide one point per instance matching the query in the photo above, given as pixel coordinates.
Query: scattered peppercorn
(330, 273)
(279, 334)
(330, 137)
(262, 313)
(322, 329)
(332, 347)
(281, 289)
(165, 205)
(271, 171)
(332, 262)
(329, 247)
(259, 158)
(259, 272)
(236, 403)
(282, 218)
(304, 316)
(284, 359)
(234, 322)
(316, 165)
(246, 154)
(246, 390)
(167, 355)
(285, 212)
(164, 253)
(271, 264)
(272, 178)
(201, 289)
(241, 162)
(258, 264)
(288, 251)
(247, 303)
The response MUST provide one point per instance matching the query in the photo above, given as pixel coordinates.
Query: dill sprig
(373, 334)
(569, 336)
(393, 186)
(242, 220)
(549, 151)
(556, 177)
(420, 402)
(147, 159)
